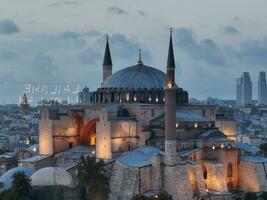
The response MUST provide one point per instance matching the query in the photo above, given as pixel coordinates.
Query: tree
(160, 196)
(21, 186)
(93, 175)
(20, 189)
(250, 196)
(263, 148)
(263, 196)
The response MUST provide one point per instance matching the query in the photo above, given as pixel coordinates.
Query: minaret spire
(107, 57)
(170, 65)
(170, 61)
(107, 62)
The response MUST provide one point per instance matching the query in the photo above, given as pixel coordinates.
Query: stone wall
(196, 179)
(228, 127)
(45, 134)
(252, 177)
(215, 176)
(176, 182)
(65, 133)
(124, 182)
(145, 179)
(156, 178)
(103, 140)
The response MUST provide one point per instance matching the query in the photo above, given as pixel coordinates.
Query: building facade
(262, 89)
(141, 120)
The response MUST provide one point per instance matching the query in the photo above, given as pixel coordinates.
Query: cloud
(7, 55)
(142, 13)
(230, 30)
(125, 50)
(117, 10)
(204, 50)
(64, 3)
(8, 26)
(63, 58)
(252, 52)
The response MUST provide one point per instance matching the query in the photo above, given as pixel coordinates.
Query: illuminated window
(127, 97)
(149, 98)
(170, 85)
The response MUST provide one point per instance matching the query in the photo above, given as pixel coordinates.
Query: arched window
(229, 170)
(70, 145)
(205, 172)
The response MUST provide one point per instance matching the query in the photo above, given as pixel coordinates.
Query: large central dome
(137, 76)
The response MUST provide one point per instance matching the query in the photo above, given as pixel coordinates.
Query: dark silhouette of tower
(107, 63)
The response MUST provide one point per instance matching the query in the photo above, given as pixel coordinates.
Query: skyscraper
(262, 88)
(243, 90)
(238, 91)
(246, 89)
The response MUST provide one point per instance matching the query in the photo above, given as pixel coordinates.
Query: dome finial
(140, 62)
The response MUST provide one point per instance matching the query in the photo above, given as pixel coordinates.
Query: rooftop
(186, 115)
(139, 157)
(254, 159)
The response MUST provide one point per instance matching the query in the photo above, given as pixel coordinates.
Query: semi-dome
(50, 176)
(6, 178)
(137, 76)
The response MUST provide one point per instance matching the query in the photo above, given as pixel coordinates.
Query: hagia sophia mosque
(152, 139)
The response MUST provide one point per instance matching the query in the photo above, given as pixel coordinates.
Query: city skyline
(56, 42)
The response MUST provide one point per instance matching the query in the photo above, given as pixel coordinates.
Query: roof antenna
(140, 62)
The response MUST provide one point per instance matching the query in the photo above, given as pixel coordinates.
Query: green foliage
(92, 174)
(20, 190)
(263, 196)
(2, 151)
(263, 148)
(250, 196)
(160, 196)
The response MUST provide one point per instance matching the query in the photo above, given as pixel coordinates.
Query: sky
(60, 43)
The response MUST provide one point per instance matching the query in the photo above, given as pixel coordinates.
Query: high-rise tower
(262, 88)
(107, 63)
(246, 89)
(238, 91)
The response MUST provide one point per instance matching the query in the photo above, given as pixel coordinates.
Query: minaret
(170, 105)
(176, 181)
(107, 63)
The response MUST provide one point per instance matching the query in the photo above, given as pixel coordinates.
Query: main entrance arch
(88, 136)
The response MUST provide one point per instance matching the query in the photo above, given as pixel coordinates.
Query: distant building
(244, 90)
(24, 105)
(262, 88)
(238, 92)
(84, 96)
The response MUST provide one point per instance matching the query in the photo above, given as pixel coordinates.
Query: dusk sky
(63, 41)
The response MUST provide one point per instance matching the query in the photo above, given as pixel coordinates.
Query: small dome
(51, 176)
(6, 178)
(137, 76)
